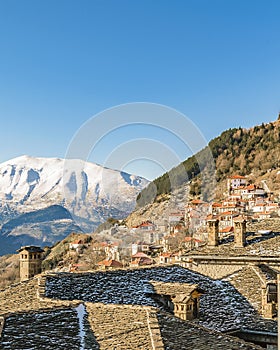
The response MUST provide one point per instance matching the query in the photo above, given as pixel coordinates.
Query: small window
(271, 291)
(182, 307)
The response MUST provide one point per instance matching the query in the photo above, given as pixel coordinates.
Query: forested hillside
(243, 151)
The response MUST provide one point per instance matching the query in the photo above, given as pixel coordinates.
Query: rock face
(79, 193)
(161, 208)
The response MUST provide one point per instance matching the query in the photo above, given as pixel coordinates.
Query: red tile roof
(216, 205)
(110, 263)
(77, 242)
(197, 201)
(227, 229)
(140, 255)
(237, 177)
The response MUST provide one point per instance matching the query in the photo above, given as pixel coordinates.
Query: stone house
(140, 247)
(141, 259)
(147, 225)
(76, 245)
(236, 181)
(109, 264)
(169, 258)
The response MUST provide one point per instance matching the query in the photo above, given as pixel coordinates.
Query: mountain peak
(90, 192)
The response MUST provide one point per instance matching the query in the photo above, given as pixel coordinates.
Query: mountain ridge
(252, 151)
(87, 191)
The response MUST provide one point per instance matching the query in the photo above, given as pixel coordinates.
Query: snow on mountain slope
(90, 192)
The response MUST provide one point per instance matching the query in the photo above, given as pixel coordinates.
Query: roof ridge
(259, 273)
(154, 330)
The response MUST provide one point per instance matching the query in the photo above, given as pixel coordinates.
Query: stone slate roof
(109, 327)
(222, 307)
(41, 313)
(124, 326)
(31, 249)
(51, 329)
(164, 288)
(216, 271)
(177, 335)
(257, 245)
(250, 280)
(25, 296)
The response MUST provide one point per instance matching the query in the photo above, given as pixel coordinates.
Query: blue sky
(62, 62)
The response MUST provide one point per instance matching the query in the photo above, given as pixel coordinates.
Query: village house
(141, 259)
(109, 264)
(235, 181)
(192, 242)
(252, 191)
(112, 251)
(262, 215)
(227, 218)
(140, 247)
(76, 245)
(196, 214)
(147, 225)
(169, 258)
(176, 218)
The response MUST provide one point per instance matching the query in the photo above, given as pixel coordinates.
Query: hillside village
(203, 277)
(185, 228)
(179, 272)
(139, 175)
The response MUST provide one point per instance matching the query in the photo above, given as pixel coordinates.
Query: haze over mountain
(60, 195)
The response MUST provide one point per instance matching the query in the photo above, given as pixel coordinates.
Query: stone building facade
(30, 261)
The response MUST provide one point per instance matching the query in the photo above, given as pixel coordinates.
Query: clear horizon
(63, 62)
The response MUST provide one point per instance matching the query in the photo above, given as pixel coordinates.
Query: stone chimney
(30, 261)
(239, 233)
(213, 232)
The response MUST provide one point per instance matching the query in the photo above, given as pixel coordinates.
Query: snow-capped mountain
(89, 192)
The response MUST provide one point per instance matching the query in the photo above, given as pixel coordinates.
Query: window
(271, 290)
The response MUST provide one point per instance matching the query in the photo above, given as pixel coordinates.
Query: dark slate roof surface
(222, 307)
